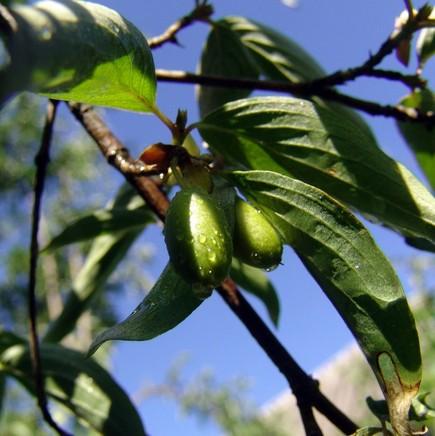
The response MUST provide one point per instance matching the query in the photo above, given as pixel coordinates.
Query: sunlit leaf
(81, 51)
(80, 384)
(256, 282)
(224, 55)
(314, 144)
(169, 302)
(421, 244)
(349, 267)
(421, 138)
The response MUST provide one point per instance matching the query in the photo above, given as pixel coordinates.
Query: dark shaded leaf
(280, 58)
(225, 196)
(256, 282)
(421, 244)
(170, 301)
(106, 252)
(277, 56)
(345, 261)
(315, 144)
(80, 384)
(421, 138)
(79, 51)
(223, 55)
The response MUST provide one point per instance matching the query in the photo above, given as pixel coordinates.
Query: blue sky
(338, 33)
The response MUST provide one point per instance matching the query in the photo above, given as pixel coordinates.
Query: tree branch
(387, 47)
(41, 161)
(323, 87)
(411, 80)
(201, 12)
(304, 90)
(117, 155)
(304, 387)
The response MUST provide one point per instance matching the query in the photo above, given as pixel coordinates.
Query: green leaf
(264, 51)
(102, 222)
(80, 384)
(277, 56)
(223, 55)
(256, 282)
(225, 196)
(421, 138)
(170, 301)
(425, 46)
(105, 254)
(343, 258)
(421, 244)
(315, 144)
(81, 51)
(421, 410)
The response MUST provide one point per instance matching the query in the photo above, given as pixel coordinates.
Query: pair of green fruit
(200, 244)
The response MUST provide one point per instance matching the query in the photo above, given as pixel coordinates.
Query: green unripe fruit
(197, 238)
(255, 240)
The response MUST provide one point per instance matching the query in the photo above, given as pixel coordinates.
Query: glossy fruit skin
(255, 240)
(198, 238)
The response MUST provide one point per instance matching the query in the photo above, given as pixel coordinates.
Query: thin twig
(302, 384)
(409, 8)
(201, 12)
(388, 46)
(117, 155)
(411, 80)
(41, 161)
(304, 90)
